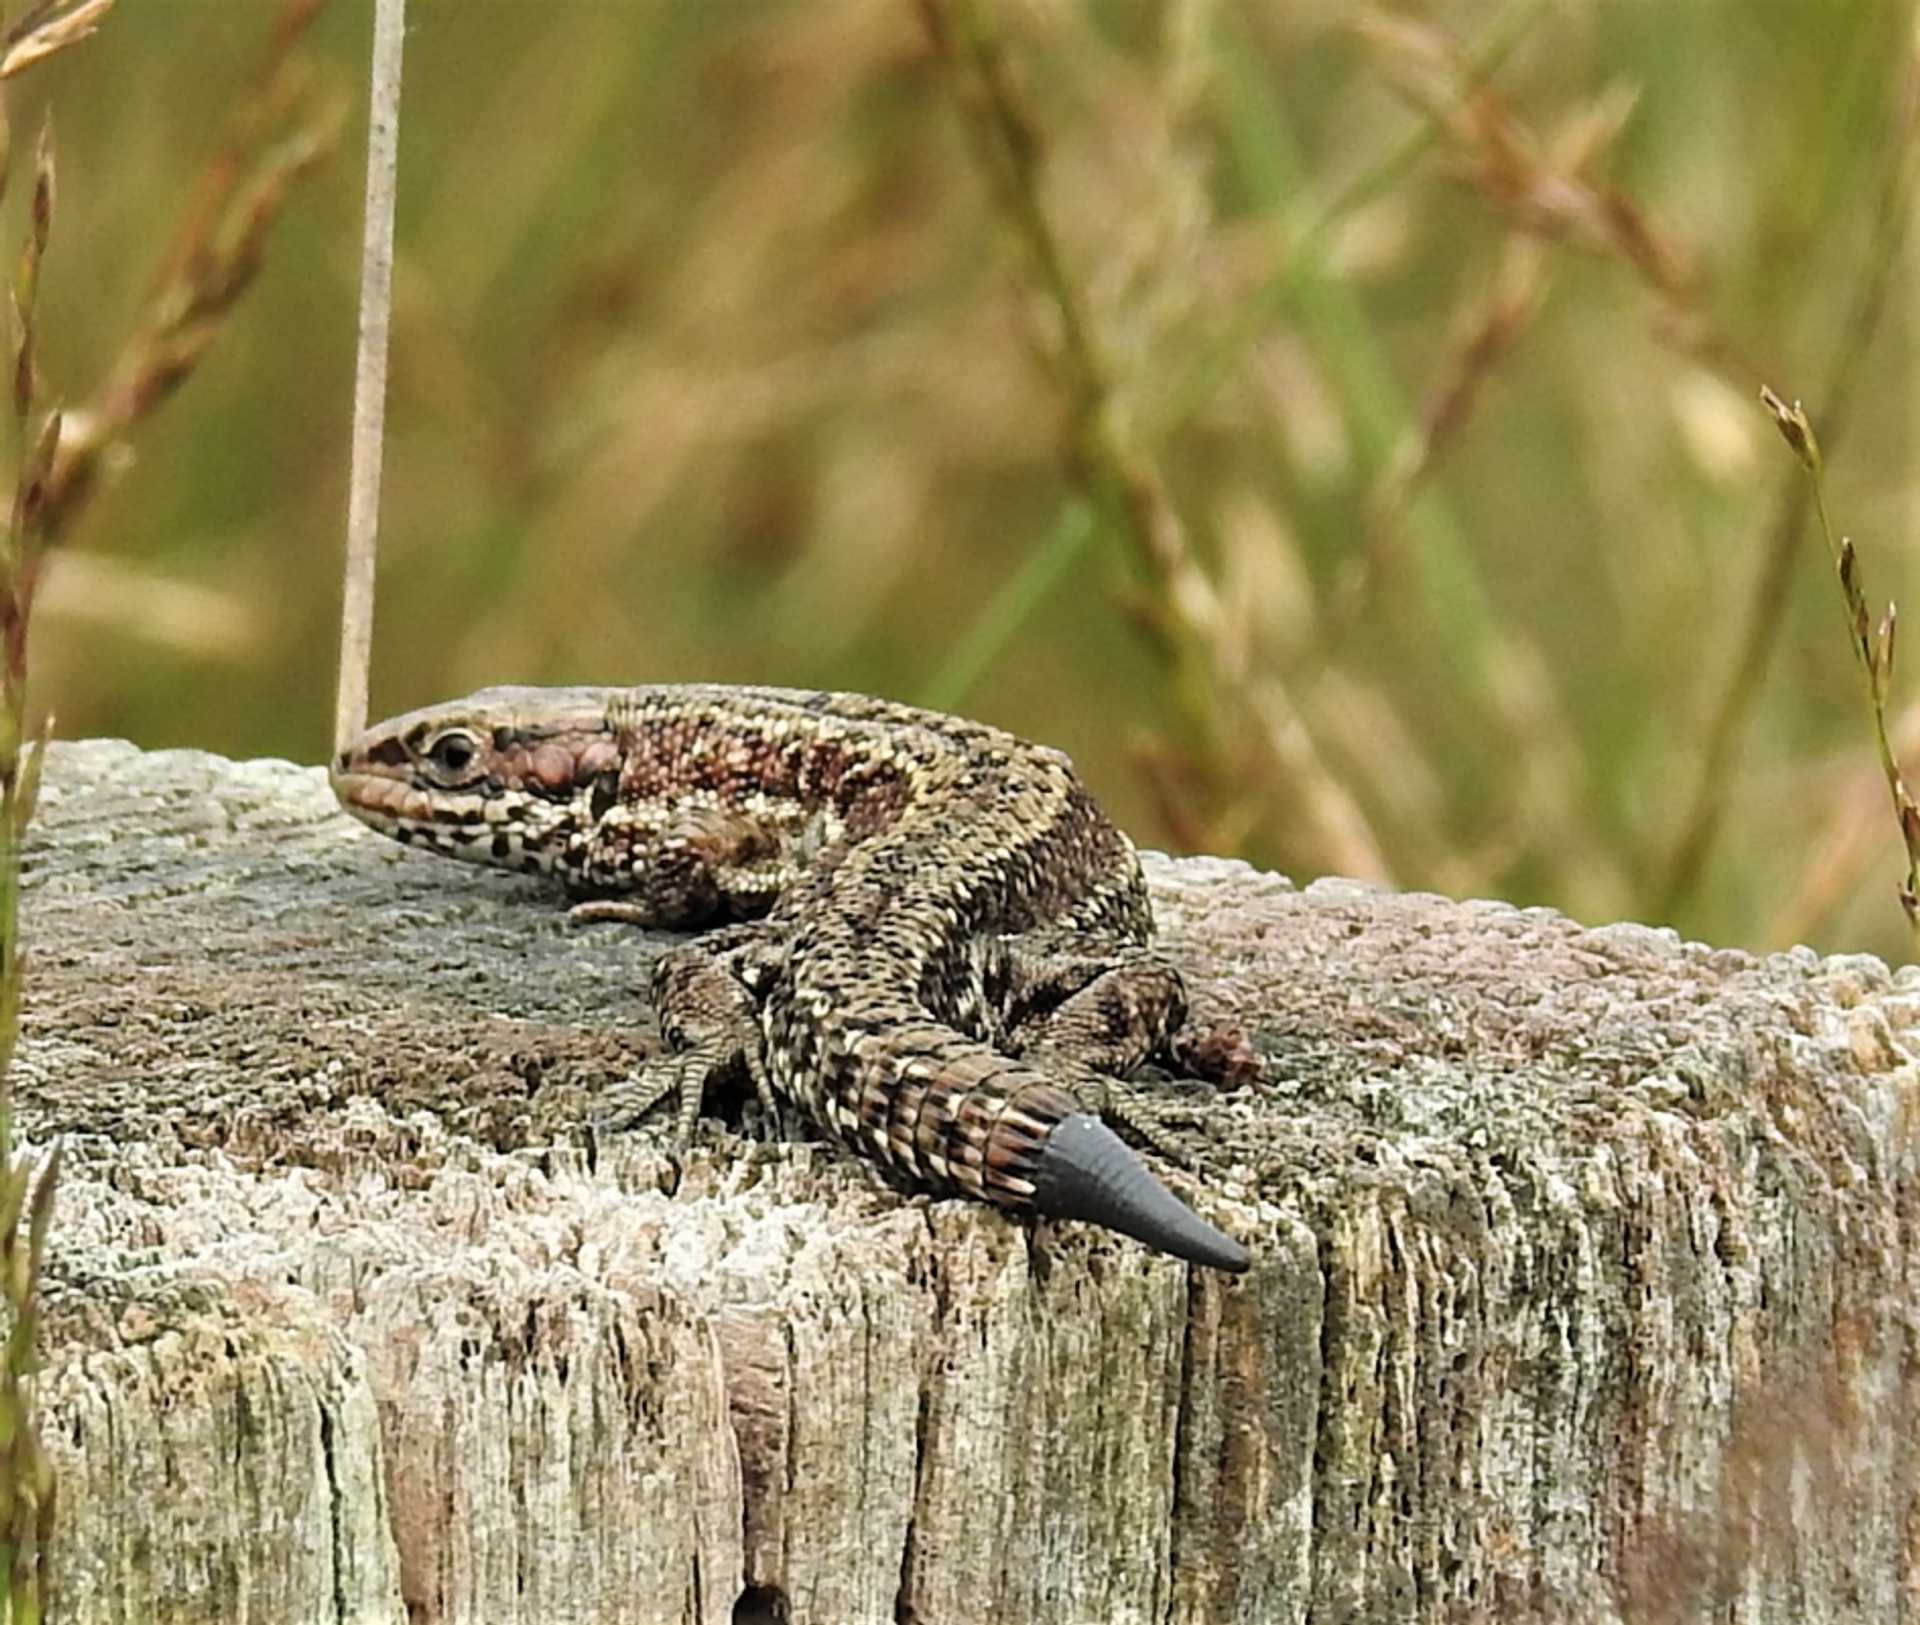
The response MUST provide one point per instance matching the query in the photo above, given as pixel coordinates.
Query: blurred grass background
(715, 357)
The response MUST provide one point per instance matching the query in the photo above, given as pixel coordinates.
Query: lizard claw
(636, 1096)
(685, 1074)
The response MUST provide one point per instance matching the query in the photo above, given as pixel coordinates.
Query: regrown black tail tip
(1086, 1172)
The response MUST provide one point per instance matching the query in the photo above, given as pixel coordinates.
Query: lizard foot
(708, 1019)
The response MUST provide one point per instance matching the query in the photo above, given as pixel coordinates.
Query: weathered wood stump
(1584, 1286)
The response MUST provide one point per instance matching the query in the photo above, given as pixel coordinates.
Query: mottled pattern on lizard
(921, 931)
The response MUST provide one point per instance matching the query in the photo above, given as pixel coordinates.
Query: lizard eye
(450, 756)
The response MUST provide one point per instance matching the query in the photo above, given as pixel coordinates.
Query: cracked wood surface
(1584, 1281)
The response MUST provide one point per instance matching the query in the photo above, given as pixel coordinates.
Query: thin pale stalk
(370, 373)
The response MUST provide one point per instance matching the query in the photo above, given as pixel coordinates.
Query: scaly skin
(920, 930)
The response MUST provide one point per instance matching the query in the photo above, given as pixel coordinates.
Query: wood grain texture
(1584, 1275)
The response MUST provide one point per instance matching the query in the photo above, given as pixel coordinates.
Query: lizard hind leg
(1086, 1020)
(1089, 1019)
(1106, 1012)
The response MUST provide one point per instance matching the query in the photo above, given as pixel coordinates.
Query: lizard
(920, 931)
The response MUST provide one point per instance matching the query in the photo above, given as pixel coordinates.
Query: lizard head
(515, 778)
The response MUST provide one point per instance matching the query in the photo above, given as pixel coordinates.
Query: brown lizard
(920, 930)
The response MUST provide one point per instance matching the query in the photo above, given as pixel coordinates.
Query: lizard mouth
(373, 797)
(477, 827)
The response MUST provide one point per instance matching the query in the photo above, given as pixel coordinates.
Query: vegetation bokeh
(717, 354)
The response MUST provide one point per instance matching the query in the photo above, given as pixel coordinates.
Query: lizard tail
(1085, 1171)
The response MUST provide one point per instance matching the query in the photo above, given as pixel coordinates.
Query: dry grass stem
(1550, 188)
(1873, 642)
(1850, 842)
(370, 371)
(49, 29)
(1551, 191)
(283, 132)
(1487, 330)
(27, 1182)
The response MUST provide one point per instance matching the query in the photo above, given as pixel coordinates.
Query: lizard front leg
(704, 998)
(686, 867)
